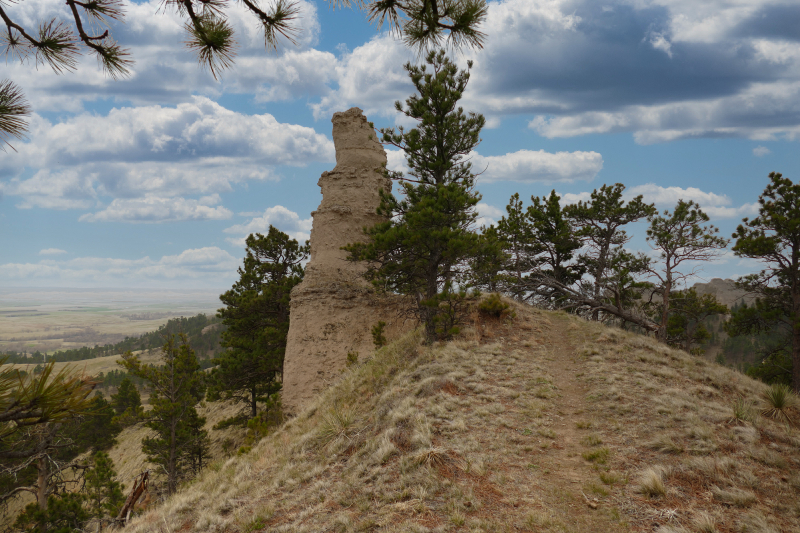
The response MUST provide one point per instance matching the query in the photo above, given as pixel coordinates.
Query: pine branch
(13, 107)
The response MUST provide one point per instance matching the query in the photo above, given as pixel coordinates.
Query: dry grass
(491, 433)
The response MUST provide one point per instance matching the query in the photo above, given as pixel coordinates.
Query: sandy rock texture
(334, 308)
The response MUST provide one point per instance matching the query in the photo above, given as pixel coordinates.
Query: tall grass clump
(651, 483)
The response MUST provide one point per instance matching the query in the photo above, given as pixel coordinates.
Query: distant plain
(48, 320)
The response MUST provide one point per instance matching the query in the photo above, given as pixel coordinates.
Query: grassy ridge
(541, 423)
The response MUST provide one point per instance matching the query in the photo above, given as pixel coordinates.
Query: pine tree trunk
(41, 482)
(796, 343)
(662, 332)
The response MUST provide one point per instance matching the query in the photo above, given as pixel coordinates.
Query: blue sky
(154, 181)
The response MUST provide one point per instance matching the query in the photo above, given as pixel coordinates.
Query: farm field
(48, 320)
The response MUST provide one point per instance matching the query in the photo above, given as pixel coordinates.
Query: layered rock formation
(334, 308)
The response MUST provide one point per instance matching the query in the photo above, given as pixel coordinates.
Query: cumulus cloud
(198, 148)
(156, 209)
(52, 251)
(662, 70)
(282, 218)
(715, 205)
(761, 151)
(524, 165)
(531, 166)
(165, 70)
(199, 267)
(488, 214)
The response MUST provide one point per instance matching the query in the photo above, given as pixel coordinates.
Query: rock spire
(334, 308)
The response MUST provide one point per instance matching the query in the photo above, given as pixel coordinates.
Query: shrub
(378, 337)
(494, 306)
(599, 456)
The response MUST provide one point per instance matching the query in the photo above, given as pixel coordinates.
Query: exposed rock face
(725, 291)
(334, 308)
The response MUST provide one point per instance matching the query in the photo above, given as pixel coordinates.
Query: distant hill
(725, 291)
(543, 422)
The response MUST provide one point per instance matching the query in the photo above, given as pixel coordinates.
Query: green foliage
(429, 24)
(422, 248)
(352, 359)
(104, 494)
(773, 237)
(97, 428)
(378, 338)
(39, 398)
(256, 315)
(599, 222)
(13, 107)
(686, 324)
(127, 403)
(270, 417)
(679, 237)
(64, 514)
(487, 266)
(779, 399)
(494, 306)
(177, 385)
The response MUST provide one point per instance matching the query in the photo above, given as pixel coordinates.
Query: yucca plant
(780, 399)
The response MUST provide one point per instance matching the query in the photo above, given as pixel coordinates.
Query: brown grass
(543, 422)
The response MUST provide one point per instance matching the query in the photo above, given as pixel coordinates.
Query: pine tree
(97, 428)
(256, 316)
(600, 221)
(515, 232)
(686, 324)
(422, 248)
(127, 403)
(103, 492)
(177, 386)
(774, 238)
(680, 237)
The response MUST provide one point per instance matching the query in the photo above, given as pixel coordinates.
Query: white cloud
(396, 160)
(193, 268)
(164, 70)
(761, 151)
(193, 149)
(529, 165)
(158, 209)
(715, 205)
(284, 219)
(756, 113)
(52, 251)
(659, 41)
(572, 198)
(488, 214)
(524, 165)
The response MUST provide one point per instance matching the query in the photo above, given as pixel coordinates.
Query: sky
(154, 181)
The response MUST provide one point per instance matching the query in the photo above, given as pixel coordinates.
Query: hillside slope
(539, 423)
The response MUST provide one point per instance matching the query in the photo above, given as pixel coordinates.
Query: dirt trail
(573, 491)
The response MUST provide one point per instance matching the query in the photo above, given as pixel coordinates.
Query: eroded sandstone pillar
(334, 308)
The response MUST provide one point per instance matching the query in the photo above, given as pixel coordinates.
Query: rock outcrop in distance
(334, 308)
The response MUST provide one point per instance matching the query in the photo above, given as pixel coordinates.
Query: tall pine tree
(423, 247)
(774, 238)
(256, 316)
(177, 386)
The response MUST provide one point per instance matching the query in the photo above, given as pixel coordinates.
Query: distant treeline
(205, 344)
